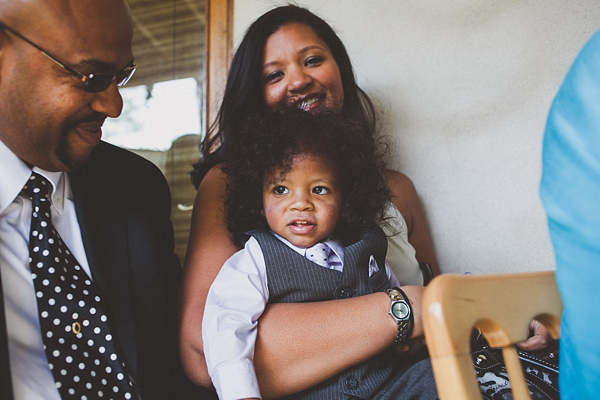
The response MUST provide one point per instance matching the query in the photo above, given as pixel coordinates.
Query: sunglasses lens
(98, 82)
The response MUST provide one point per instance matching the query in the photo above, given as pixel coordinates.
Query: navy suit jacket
(123, 206)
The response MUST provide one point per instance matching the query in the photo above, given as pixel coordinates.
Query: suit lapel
(103, 222)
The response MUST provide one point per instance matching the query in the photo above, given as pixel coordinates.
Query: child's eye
(280, 190)
(320, 190)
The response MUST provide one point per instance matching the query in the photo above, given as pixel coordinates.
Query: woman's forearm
(300, 345)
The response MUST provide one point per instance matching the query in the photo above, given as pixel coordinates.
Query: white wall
(464, 87)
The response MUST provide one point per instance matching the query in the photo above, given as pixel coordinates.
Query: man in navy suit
(60, 64)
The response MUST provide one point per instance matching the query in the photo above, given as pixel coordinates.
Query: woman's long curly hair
(243, 96)
(270, 143)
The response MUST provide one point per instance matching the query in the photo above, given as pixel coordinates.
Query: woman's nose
(298, 79)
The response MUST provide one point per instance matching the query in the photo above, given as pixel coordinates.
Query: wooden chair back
(501, 306)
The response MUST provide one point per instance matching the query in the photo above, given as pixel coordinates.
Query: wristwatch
(401, 311)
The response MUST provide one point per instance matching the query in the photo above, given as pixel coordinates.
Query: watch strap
(405, 327)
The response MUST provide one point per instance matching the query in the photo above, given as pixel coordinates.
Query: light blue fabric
(570, 191)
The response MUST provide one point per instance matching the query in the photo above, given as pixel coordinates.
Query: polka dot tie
(81, 351)
(319, 253)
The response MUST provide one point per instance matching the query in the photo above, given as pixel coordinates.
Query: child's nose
(301, 202)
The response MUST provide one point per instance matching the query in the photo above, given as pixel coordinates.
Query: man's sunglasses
(95, 82)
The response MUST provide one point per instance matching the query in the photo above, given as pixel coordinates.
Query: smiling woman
(294, 58)
(311, 70)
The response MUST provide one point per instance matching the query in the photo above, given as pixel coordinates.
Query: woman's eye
(314, 60)
(280, 190)
(273, 76)
(320, 190)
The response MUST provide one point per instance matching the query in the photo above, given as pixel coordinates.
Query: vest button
(345, 294)
(351, 382)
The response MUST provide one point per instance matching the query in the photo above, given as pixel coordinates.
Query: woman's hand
(540, 338)
(411, 347)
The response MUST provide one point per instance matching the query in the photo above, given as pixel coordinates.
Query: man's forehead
(68, 14)
(93, 29)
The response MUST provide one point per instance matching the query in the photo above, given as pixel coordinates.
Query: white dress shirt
(235, 301)
(31, 376)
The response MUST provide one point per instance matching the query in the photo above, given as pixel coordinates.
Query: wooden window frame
(219, 53)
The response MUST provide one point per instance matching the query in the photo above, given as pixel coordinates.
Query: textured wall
(464, 88)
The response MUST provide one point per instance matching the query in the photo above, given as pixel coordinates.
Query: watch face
(400, 309)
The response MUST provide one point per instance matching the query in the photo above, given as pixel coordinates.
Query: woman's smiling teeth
(306, 103)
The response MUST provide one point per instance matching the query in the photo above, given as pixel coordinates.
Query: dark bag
(541, 371)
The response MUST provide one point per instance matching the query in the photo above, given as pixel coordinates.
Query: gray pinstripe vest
(292, 278)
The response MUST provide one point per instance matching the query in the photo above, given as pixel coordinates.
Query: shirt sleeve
(234, 303)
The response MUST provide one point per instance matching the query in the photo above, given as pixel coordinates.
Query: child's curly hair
(271, 142)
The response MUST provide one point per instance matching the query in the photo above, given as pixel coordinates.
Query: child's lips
(301, 226)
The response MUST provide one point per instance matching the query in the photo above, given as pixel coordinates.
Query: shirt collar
(14, 173)
(13, 176)
(60, 188)
(335, 246)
